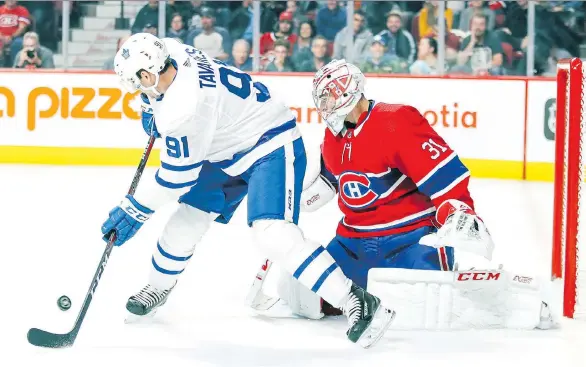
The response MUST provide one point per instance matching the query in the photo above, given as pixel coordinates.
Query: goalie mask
(337, 88)
(142, 51)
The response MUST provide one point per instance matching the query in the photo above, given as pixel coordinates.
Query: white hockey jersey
(211, 112)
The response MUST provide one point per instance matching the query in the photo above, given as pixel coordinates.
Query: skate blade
(137, 319)
(383, 318)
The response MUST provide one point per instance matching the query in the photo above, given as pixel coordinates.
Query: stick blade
(42, 338)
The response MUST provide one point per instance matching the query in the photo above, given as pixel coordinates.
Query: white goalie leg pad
(301, 300)
(473, 299)
(317, 194)
(307, 261)
(175, 247)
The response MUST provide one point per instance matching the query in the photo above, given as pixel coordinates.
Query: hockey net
(569, 223)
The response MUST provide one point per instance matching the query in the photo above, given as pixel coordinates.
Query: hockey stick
(256, 298)
(43, 338)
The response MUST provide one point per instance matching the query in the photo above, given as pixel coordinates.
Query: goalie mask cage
(568, 188)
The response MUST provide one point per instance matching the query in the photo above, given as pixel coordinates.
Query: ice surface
(50, 221)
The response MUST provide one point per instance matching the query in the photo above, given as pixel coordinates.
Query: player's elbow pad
(317, 194)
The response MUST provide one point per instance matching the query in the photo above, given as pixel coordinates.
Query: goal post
(569, 181)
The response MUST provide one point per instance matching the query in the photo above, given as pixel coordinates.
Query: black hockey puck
(64, 303)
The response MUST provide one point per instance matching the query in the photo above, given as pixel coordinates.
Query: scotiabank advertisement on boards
(484, 120)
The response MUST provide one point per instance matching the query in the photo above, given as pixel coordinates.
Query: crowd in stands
(482, 37)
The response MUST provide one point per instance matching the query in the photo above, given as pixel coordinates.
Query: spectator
(267, 40)
(515, 26)
(269, 16)
(476, 6)
(378, 61)
(426, 63)
(565, 5)
(374, 9)
(109, 64)
(43, 20)
(183, 8)
(319, 48)
(281, 61)
(330, 20)
(240, 24)
(241, 55)
(399, 42)
(302, 48)
(176, 30)
(151, 28)
(428, 19)
(298, 15)
(481, 43)
(194, 15)
(149, 15)
(14, 20)
(362, 38)
(33, 55)
(221, 11)
(215, 41)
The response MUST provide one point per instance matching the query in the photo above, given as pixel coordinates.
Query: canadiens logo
(8, 20)
(355, 190)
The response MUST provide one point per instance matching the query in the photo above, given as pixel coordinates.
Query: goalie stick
(256, 298)
(43, 338)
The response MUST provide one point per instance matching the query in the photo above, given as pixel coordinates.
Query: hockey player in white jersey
(224, 137)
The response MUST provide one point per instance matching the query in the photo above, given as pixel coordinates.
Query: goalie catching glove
(461, 229)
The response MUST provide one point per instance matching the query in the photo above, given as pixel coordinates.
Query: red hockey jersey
(392, 171)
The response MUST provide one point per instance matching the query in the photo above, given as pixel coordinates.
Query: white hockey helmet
(142, 51)
(337, 88)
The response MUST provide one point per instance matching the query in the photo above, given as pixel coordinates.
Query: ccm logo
(312, 200)
(462, 277)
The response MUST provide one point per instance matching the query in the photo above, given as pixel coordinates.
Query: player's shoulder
(390, 109)
(393, 117)
(173, 45)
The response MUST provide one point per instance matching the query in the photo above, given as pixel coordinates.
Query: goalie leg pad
(175, 247)
(474, 299)
(307, 261)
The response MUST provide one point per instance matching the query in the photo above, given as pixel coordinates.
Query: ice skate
(367, 318)
(146, 302)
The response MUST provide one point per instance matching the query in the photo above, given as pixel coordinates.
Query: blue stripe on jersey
(268, 135)
(173, 185)
(323, 277)
(171, 167)
(307, 261)
(171, 257)
(382, 184)
(443, 177)
(165, 271)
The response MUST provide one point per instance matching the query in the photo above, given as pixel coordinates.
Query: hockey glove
(460, 229)
(125, 219)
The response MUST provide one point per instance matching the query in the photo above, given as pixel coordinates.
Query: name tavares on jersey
(206, 71)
